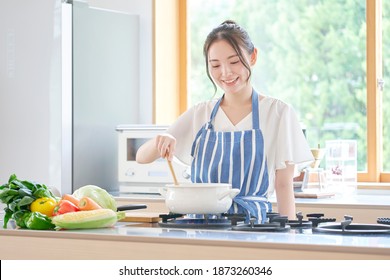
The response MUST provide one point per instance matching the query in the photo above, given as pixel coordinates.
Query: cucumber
(99, 218)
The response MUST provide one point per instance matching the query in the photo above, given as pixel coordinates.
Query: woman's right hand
(165, 144)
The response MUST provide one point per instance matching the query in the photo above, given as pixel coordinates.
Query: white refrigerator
(70, 73)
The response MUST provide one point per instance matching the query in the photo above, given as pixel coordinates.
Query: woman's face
(226, 69)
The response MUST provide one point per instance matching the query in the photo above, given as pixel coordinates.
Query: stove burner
(299, 223)
(197, 223)
(346, 227)
(180, 221)
(276, 223)
(273, 227)
(235, 218)
(166, 217)
(316, 219)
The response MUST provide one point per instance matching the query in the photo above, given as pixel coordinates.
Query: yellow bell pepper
(44, 205)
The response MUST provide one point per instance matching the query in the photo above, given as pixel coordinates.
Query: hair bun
(229, 21)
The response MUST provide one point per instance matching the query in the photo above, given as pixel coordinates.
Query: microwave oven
(148, 178)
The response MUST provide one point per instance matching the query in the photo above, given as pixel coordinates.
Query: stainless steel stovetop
(314, 223)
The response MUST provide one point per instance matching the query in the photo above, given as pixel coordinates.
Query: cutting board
(312, 195)
(141, 217)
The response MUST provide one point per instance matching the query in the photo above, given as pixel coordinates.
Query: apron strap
(209, 125)
(255, 110)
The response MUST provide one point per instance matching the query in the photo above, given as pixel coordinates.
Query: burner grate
(299, 222)
(181, 221)
(167, 217)
(382, 220)
(318, 218)
(267, 227)
(276, 223)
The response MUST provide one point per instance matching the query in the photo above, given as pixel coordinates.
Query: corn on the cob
(88, 219)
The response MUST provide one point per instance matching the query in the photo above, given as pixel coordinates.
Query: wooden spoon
(173, 172)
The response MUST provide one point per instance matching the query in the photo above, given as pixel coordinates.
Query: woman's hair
(236, 36)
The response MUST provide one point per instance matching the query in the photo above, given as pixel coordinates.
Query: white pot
(199, 198)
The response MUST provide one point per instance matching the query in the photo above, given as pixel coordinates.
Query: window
(312, 54)
(386, 92)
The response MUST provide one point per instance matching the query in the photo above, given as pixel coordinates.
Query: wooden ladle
(173, 172)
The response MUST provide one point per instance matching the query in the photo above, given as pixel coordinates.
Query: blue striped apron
(237, 158)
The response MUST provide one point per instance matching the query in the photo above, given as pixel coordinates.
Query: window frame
(374, 95)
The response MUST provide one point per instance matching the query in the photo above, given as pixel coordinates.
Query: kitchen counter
(365, 206)
(149, 241)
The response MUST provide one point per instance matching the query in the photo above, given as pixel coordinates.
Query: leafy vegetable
(99, 195)
(18, 195)
(21, 217)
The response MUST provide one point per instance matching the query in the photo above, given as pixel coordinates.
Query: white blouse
(284, 140)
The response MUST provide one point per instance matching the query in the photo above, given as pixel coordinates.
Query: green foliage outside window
(311, 54)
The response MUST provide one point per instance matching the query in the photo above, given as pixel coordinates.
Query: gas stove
(223, 221)
(348, 227)
(313, 223)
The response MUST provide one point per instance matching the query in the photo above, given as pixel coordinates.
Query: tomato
(44, 205)
(65, 206)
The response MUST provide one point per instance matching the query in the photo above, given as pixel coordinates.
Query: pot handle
(163, 192)
(232, 193)
(131, 207)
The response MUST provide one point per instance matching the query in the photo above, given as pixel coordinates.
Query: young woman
(249, 140)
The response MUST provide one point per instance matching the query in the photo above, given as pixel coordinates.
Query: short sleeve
(292, 146)
(185, 128)
(182, 130)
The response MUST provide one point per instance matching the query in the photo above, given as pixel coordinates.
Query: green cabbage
(99, 195)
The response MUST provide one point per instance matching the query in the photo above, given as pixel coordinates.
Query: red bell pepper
(65, 206)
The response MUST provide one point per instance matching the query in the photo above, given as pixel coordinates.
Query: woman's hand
(165, 144)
